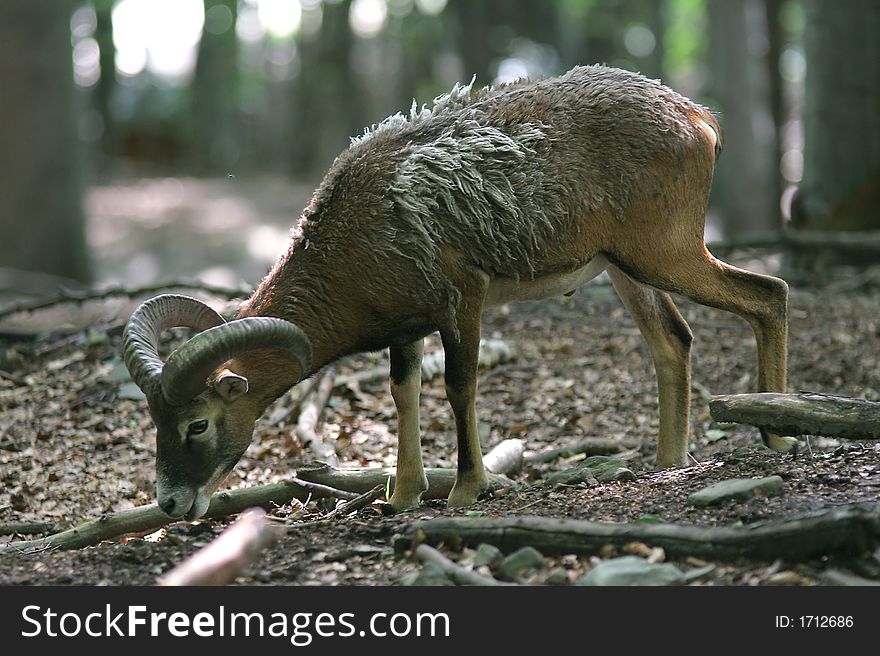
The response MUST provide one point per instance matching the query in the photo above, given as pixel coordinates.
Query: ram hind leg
(669, 341)
(690, 270)
(406, 383)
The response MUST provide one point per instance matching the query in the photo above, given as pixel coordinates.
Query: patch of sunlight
(279, 18)
(367, 17)
(267, 242)
(219, 276)
(161, 36)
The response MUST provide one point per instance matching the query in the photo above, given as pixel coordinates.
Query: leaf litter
(76, 442)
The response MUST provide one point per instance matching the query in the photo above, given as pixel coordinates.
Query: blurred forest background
(149, 140)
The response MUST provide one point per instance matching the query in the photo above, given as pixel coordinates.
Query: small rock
(408, 579)
(572, 476)
(557, 576)
(488, 554)
(430, 574)
(737, 488)
(623, 474)
(632, 570)
(519, 562)
(591, 471)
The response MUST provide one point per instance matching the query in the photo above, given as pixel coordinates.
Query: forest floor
(72, 447)
(77, 442)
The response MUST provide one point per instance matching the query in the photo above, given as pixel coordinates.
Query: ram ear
(230, 386)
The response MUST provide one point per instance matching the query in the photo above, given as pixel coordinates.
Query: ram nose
(176, 505)
(169, 506)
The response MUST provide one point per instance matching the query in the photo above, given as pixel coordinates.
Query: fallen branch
(864, 243)
(763, 241)
(294, 400)
(310, 417)
(505, 458)
(492, 352)
(440, 480)
(590, 446)
(808, 413)
(26, 528)
(846, 242)
(67, 295)
(453, 571)
(145, 519)
(222, 560)
(848, 530)
(362, 376)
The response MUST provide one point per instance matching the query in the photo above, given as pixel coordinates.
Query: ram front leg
(462, 353)
(406, 383)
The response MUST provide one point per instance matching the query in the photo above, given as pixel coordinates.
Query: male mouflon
(520, 191)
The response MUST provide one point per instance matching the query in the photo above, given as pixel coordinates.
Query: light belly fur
(505, 290)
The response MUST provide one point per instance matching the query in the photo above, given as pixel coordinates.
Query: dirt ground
(72, 447)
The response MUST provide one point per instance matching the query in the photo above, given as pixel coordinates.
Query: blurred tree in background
(215, 92)
(41, 218)
(209, 88)
(744, 177)
(841, 184)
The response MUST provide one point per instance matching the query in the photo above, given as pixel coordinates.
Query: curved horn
(187, 369)
(140, 340)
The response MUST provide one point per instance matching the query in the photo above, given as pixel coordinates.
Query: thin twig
(362, 501)
(325, 490)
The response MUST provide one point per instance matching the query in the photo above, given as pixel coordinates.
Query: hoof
(401, 502)
(463, 494)
(408, 492)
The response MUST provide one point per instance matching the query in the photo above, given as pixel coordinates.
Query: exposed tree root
(848, 530)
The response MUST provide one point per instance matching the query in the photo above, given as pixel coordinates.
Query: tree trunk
(591, 33)
(847, 530)
(215, 97)
(742, 192)
(471, 19)
(326, 114)
(653, 64)
(775, 45)
(102, 95)
(41, 217)
(840, 189)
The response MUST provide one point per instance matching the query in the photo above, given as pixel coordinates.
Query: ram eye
(197, 428)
